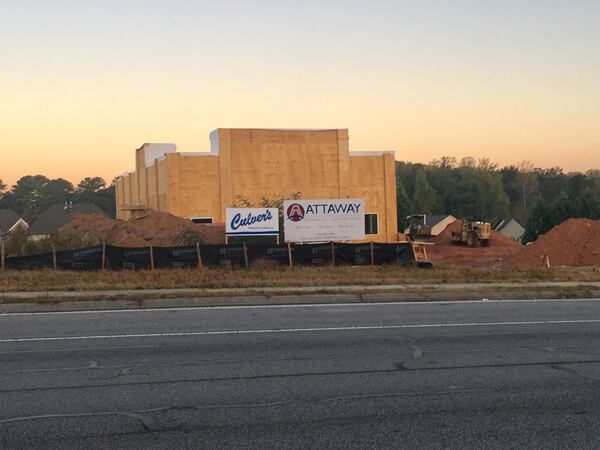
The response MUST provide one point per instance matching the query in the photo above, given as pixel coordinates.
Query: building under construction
(261, 163)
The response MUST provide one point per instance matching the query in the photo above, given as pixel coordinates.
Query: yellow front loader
(473, 233)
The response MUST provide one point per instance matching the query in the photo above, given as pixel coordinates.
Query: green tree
(487, 165)
(472, 189)
(490, 202)
(587, 204)
(94, 190)
(545, 215)
(551, 182)
(442, 175)
(527, 184)
(479, 188)
(18, 243)
(404, 206)
(91, 184)
(105, 199)
(55, 191)
(268, 202)
(32, 194)
(425, 197)
(576, 184)
(581, 200)
(521, 185)
(509, 176)
(445, 162)
(468, 161)
(406, 173)
(2, 193)
(27, 195)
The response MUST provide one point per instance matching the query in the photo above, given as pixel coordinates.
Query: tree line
(538, 198)
(33, 194)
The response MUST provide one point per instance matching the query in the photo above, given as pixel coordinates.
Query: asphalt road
(439, 375)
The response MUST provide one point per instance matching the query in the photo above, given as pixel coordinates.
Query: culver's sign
(249, 221)
(324, 220)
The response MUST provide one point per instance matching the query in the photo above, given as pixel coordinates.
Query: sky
(83, 84)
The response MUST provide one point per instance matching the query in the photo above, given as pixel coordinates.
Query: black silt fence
(401, 253)
(312, 254)
(352, 254)
(274, 255)
(44, 261)
(175, 257)
(223, 255)
(89, 258)
(118, 258)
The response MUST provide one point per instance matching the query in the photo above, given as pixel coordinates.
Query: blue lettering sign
(238, 221)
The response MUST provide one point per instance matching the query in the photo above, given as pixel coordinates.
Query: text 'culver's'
(251, 219)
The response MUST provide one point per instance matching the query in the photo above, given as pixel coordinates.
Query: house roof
(433, 219)
(505, 222)
(7, 219)
(56, 216)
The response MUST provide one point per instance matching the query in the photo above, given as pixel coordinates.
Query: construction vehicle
(416, 227)
(473, 233)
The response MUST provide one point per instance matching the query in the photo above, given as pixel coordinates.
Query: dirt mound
(93, 227)
(143, 229)
(575, 242)
(446, 254)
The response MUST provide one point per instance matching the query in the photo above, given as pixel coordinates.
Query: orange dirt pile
(94, 228)
(143, 229)
(446, 254)
(575, 242)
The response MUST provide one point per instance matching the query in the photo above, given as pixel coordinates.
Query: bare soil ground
(446, 254)
(575, 242)
(143, 229)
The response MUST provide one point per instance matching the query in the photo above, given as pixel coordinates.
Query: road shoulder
(23, 302)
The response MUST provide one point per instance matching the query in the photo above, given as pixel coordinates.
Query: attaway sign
(324, 220)
(249, 221)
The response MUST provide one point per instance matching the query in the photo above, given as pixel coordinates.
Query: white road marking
(308, 305)
(292, 330)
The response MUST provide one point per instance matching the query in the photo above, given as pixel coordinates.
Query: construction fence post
(198, 255)
(103, 256)
(54, 256)
(2, 254)
(151, 258)
(245, 253)
(372, 254)
(332, 253)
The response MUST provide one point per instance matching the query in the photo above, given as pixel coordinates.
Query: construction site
(575, 242)
(176, 200)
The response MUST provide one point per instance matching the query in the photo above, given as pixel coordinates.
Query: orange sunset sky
(85, 83)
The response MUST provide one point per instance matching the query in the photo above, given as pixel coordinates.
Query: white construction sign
(324, 220)
(251, 221)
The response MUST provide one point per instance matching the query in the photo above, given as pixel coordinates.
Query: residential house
(10, 221)
(58, 215)
(437, 222)
(511, 228)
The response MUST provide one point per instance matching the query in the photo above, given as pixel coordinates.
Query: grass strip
(47, 280)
